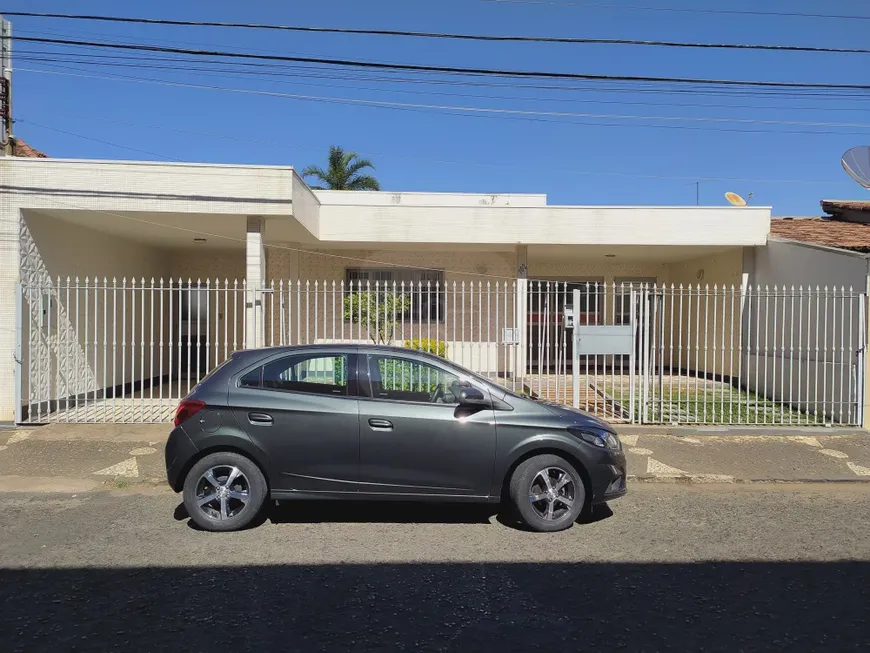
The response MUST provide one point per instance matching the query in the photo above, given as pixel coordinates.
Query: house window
(424, 289)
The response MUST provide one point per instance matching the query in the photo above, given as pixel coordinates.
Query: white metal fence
(100, 350)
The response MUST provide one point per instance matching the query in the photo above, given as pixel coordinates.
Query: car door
(299, 409)
(414, 437)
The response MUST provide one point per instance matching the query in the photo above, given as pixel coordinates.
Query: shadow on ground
(392, 512)
(427, 607)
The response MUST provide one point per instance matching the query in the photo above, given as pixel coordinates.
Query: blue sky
(573, 160)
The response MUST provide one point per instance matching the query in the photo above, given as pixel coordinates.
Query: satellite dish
(735, 199)
(856, 163)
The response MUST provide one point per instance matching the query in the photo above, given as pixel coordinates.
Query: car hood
(577, 416)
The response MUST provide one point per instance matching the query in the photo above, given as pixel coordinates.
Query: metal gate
(103, 350)
(733, 356)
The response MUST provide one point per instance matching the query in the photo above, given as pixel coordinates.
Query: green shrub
(437, 347)
(378, 311)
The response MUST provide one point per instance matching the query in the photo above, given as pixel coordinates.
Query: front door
(297, 409)
(414, 438)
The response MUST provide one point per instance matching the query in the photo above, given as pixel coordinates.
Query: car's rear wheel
(224, 491)
(547, 493)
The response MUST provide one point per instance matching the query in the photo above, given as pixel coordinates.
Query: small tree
(378, 311)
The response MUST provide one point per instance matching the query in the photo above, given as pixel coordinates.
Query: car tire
(530, 479)
(234, 505)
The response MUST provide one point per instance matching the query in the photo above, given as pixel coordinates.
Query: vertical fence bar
(98, 408)
(151, 349)
(105, 346)
(180, 339)
(791, 366)
(748, 348)
(160, 355)
(731, 363)
(170, 300)
(803, 405)
(825, 362)
(141, 351)
(839, 392)
(772, 356)
(722, 357)
(816, 358)
(85, 357)
(758, 348)
(850, 415)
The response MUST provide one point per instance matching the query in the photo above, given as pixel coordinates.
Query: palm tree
(343, 172)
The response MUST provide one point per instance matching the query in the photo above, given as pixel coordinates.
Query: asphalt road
(671, 568)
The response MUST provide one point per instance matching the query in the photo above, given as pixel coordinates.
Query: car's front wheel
(224, 491)
(547, 493)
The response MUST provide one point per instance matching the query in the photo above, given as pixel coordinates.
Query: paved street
(673, 567)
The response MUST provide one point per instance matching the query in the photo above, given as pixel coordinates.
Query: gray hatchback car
(372, 422)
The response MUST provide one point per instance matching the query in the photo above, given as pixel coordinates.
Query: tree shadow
(487, 606)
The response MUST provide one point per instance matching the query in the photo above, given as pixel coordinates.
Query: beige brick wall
(708, 316)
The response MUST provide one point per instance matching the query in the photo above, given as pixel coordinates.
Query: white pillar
(522, 309)
(10, 218)
(255, 275)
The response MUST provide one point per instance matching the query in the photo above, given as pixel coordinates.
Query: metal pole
(6, 85)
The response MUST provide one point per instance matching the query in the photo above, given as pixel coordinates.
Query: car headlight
(601, 439)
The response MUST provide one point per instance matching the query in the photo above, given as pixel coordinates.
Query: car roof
(338, 345)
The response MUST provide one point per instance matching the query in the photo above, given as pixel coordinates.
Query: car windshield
(493, 385)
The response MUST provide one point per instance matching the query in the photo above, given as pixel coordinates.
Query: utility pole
(5, 87)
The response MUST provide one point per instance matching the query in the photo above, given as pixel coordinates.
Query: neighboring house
(250, 255)
(22, 149)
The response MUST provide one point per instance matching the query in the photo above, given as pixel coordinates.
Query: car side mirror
(472, 398)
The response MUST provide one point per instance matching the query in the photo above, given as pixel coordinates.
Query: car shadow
(590, 515)
(383, 512)
(392, 512)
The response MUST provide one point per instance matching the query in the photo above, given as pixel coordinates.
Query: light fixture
(610, 256)
(200, 241)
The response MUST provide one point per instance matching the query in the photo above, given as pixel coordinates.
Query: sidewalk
(84, 457)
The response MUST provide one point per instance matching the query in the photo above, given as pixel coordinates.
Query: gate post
(255, 268)
(19, 326)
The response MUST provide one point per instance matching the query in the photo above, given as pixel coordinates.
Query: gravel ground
(670, 568)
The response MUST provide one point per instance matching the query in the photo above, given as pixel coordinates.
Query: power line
(389, 76)
(273, 71)
(561, 114)
(445, 69)
(247, 139)
(440, 35)
(472, 111)
(91, 138)
(737, 12)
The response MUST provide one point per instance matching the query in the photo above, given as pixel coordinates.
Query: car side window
(406, 379)
(324, 374)
(252, 378)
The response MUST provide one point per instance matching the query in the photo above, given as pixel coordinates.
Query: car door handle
(381, 424)
(260, 419)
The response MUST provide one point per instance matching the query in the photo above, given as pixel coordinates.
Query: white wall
(80, 343)
(802, 349)
(705, 226)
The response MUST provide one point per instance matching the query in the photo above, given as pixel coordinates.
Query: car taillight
(187, 409)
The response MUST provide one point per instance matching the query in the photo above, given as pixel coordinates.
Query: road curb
(709, 479)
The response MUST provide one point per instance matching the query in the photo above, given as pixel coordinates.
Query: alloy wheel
(223, 492)
(552, 493)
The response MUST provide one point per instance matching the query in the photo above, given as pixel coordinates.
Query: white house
(132, 278)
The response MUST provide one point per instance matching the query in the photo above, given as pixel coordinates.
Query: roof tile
(822, 231)
(20, 148)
